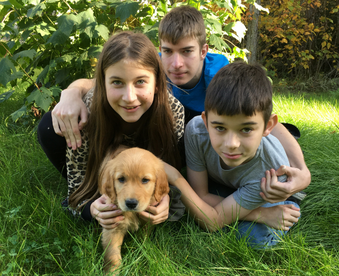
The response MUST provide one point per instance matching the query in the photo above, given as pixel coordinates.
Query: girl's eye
(246, 130)
(140, 82)
(117, 82)
(144, 181)
(122, 179)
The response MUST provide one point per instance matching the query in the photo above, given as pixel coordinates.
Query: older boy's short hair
(181, 22)
(240, 88)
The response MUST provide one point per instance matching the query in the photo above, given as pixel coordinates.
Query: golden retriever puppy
(133, 180)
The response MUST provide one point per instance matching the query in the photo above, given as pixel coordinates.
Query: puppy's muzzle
(131, 203)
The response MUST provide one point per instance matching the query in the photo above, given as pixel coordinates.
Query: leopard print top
(76, 160)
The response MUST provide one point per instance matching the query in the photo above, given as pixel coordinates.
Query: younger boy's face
(235, 138)
(183, 62)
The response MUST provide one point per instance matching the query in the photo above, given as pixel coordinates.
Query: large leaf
(15, 4)
(5, 96)
(37, 10)
(218, 42)
(27, 53)
(102, 31)
(94, 51)
(66, 23)
(42, 98)
(126, 9)
(6, 69)
(86, 19)
(214, 24)
(19, 113)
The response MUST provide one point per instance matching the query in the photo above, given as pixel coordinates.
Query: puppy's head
(133, 178)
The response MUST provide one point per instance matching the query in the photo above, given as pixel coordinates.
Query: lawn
(38, 238)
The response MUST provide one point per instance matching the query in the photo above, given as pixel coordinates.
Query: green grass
(38, 238)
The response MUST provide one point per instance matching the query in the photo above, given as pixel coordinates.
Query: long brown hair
(156, 130)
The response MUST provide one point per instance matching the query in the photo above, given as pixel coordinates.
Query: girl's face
(130, 89)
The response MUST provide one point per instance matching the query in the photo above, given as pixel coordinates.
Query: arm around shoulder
(69, 116)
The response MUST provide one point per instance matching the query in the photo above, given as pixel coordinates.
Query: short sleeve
(193, 146)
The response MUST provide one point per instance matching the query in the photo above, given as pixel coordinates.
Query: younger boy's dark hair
(181, 22)
(240, 88)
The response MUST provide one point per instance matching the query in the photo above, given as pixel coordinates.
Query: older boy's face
(183, 62)
(235, 138)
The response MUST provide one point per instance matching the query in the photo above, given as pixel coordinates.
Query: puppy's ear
(106, 180)
(161, 184)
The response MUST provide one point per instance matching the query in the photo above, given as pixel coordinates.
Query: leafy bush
(48, 44)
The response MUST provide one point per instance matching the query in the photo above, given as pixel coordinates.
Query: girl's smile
(130, 89)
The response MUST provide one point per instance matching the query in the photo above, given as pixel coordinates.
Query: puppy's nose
(131, 203)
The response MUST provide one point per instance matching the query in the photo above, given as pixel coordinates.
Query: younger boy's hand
(280, 217)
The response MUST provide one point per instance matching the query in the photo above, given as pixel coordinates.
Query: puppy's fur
(133, 180)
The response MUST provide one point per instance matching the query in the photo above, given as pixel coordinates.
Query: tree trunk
(252, 34)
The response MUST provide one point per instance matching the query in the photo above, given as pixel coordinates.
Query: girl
(129, 106)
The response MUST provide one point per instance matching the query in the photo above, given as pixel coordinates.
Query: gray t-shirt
(246, 178)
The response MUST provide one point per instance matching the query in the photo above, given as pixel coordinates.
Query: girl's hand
(280, 217)
(156, 214)
(108, 215)
(274, 191)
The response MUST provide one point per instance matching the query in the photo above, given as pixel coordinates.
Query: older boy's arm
(65, 115)
(299, 177)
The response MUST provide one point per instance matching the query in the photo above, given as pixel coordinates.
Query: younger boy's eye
(246, 130)
(219, 128)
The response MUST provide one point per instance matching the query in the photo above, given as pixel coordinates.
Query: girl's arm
(71, 108)
(207, 216)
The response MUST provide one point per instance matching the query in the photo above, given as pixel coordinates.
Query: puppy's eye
(122, 179)
(144, 181)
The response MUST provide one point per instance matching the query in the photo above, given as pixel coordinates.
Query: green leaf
(41, 98)
(19, 113)
(66, 23)
(126, 9)
(102, 31)
(5, 96)
(15, 4)
(62, 75)
(6, 69)
(42, 29)
(215, 24)
(27, 53)
(37, 10)
(218, 42)
(229, 27)
(94, 51)
(58, 37)
(85, 19)
(56, 91)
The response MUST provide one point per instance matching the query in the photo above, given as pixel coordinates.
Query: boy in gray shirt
(230, 144)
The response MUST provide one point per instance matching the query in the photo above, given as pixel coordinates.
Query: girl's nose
(129, 95)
